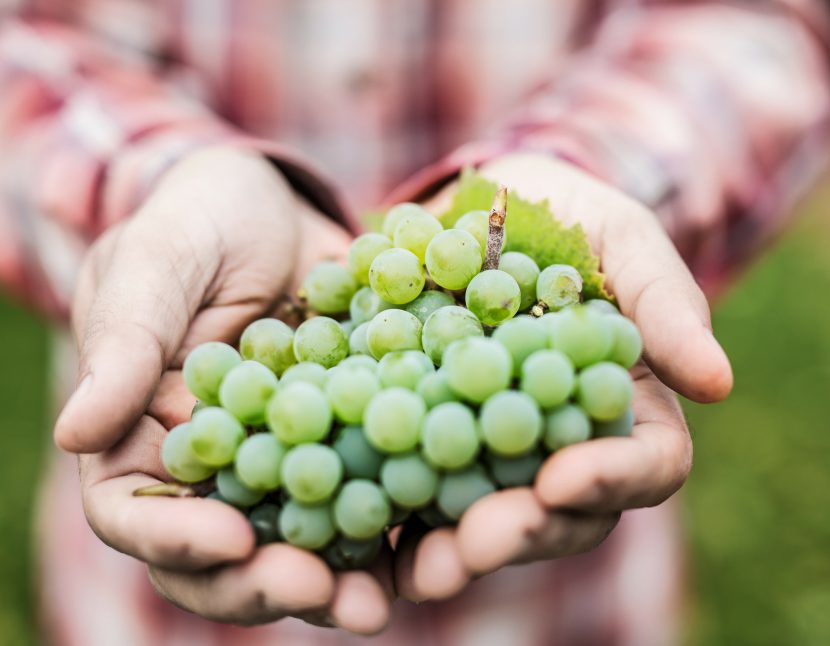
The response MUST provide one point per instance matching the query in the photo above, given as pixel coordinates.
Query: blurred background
(757, 503)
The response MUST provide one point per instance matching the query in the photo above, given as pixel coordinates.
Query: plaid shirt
(713, 113)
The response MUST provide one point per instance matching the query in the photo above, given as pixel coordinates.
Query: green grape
(453, 257)
(432, 516)
(265, 519)
(215, 435)
(548, 376)
(321, 340)
(404, 369)
(392, 420)
(307, 526)
(271, 342)
(429, 301)
(360, 459)
(581, 333)
(511, 423)
(628, 344)
(446, 325)
(459, 490)
(602, 306)
(366, 305)
(298, 413)
(199, 405)
(215, 495)
(358, 344)
(361, 509)
(206, 366)
(435, 389)
(311, 473)
(393, 330)
(604, 391)
(477, 367)
(620, 427)
(233, 491)
(515, 472)
(258, 462)
(348, 554)
(245, 392)
(329, 288)
(362, 252)
(558, 286)
(449, 436)
(178, 458)
(565, 426)
(477, 224)
(397, 276)
(415, 231)
(349, 390)
(493, 296)
(522, 336)
(525, 270)
(348, 327)
(306, 371)
(410, 482)
(358, 361)
(398, 213)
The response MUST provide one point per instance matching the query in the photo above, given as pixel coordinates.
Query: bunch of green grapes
(418, 384)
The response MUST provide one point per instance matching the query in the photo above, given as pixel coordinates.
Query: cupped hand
(214, 247)
(581, 490)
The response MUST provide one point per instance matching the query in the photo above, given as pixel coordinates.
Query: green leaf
(532, 229)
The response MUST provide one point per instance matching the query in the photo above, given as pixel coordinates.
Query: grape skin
(178, 457)
(515, 472)
(582, 333)
(258, 461)
(622, 426)
(349, 391)
(449, 436)
(358, 344)
(398, 213)
(306, 371)
(526, 272)
(393, 330)
(397, 276)
(361, 509)
(307, 526)
(245, 391)
(435, 389)
(459, 490)
(548, 376)
(206, 366)
(365, 305)
(566, 425)
(404, 369)
(299, 412)
(363, 250)
(511, 423)
(627, 345)
(415, 231)
(348, 554)
(604, 391)
(360, 459)
(522, 336)
(321, 340)
(558, 286)
(329, 288)
(392, 421)
(429, 301)
(271, 343)
(477, 367)
(265, 519)
(493, 296)
(311, 473)
(453, 258)
(410, 482)
(233, 491)
(446, 325)
(215, 435)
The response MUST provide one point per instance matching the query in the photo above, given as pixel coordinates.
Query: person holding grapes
(155, 176)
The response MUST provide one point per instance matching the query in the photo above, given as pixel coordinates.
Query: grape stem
(538, 309)
(176, 490)
(495, 234)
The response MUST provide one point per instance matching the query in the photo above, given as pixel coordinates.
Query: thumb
(129, 322)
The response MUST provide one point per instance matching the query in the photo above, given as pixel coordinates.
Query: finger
(172, 403)
(185, 533)
(130, 330)
(360, 604)
(656, 289)
(430, 567)
(512, 526)
(616, 473)
(279, 580)
(181, 533)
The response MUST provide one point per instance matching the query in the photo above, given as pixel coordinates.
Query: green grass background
(758, 500)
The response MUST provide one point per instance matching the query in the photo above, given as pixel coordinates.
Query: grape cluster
(419, 386)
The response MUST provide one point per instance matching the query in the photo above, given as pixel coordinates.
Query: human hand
(581, 490)
(221, 238)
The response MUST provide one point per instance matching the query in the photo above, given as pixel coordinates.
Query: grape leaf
(532, 229)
